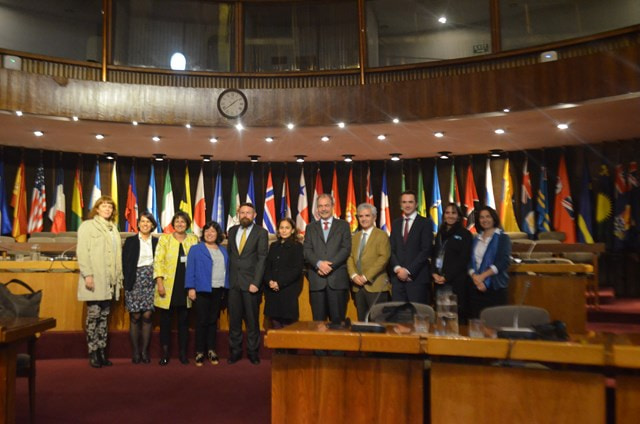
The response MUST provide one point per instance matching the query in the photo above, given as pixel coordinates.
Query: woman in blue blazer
(207, 281)
(490, 260)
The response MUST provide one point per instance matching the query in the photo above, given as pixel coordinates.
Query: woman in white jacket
(99, 254)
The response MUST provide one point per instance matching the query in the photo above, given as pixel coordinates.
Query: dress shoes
(233, 359)
(94, 361)
(103, 358)
(136, 359)
(164, 361)
(254, 359)
(144, 358)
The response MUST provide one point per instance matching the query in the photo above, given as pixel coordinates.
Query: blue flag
(251, 195)
(217, 212)
(622, 210)
(542, 203)
(152, 207)
(6, 225)
(585, 213)
(435, 211)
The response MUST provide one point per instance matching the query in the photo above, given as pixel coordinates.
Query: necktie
(243, 240)
(406, 229)
(363, 240)
(326, 225)
(325, 230)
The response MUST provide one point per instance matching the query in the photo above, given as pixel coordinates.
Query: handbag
(19, 305)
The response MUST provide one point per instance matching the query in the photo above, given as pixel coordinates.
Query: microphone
(366, 326)
(515, 332)
(63, 256)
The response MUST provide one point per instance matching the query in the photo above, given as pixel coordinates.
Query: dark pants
(244, 306)
(183, 327)
(411, 291)
(364, 300)
(480, 300)
(207, 306)
(329, 303)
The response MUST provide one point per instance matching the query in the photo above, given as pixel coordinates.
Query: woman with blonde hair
(99, 259)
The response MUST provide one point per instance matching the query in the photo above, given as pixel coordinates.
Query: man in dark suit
(411, 243)
(327, 245)
(248, 248)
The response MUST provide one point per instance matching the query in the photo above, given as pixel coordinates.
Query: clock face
(232, 103)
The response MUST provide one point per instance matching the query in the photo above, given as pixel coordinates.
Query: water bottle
(447, 311)
(35, 252)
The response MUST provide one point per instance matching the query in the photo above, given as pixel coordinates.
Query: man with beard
(248, 247)
(327, 245)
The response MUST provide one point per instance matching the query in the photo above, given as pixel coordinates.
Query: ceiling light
(382, 137)
(75, 118)
(155, 138)
(348, 158)
(187, 126)
(499, 131)
(38, 133)
(213, 139)
(110, 155)
(444, 155)
(442, 20)
(395, 156)
(99, 136)
(300, 158)
(562, 126)
(290, 125)
(178, 62)
(438, 134)
(506, 110)
(18, 113)
(325, 138)
(239, 126)
(341, 125)
(496, 153)
(395, 121)
(206, 158)
(269, 139)
(134, 123)
(159, 156)
(254, 158)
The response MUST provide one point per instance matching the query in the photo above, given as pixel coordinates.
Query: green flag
(422, 202)
(234, 203)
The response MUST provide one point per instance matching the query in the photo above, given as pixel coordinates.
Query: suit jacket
(336, 249)
(415, 253)
(373, 262)
(247, 268)
(130, 256)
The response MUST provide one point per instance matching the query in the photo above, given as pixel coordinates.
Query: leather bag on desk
(19, 305)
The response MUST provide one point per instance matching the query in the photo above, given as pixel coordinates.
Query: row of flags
(615, 217)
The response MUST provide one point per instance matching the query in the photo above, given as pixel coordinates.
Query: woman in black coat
(137, 266)
(283, 276)
(451, 255)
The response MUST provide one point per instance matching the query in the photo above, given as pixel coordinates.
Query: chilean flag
(57, 214)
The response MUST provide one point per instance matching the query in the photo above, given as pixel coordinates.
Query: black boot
(165, 355)
(102, 356)
(94, 361)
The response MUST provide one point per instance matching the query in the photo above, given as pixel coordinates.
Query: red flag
(317, 191)
(200, 208)
(58, 213)
(470, 200)
(337, 210)
(369, 193)
(131, 208)
(19, 205)
(563, 219)
(38, 203)
(351, 208)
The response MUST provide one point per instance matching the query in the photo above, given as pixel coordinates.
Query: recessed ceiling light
(506, 110)
(75, 118)
(159, 156)
(269, 139)
(495, 153)
(300, 158)
(395, 156)
(155, 138)
(206, 158)
(213, 139)
(325, 138)
(18, 113)
(438, 134)
(239, 126)
(254, 158)
(382, 137)
(499, 131)
(442, 19)
(444, 155)
(348, 158)
(395, 120)
(187, 126)
(110, 155)
(134, 123)
(38, 133)
(290, 125)
(341, 125)
(99, 136)
(562, 126)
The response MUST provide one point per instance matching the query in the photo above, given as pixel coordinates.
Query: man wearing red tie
(411, 242)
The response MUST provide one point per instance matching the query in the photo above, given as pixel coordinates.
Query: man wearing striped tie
(367, 263)
(248, 248)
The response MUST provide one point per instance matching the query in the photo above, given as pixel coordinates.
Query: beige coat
(99, 254)
(165, 263)
(374, 260)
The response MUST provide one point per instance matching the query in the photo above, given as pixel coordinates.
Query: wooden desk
(12, 333)
(345, 389)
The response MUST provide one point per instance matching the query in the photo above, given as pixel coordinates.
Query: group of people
(178, 270)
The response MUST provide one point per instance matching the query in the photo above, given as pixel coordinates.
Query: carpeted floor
(69, 391)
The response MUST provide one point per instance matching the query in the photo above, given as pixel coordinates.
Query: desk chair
(26, 367)
(400, 312)
(502, 316)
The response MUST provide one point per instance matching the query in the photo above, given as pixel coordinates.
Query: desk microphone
(63, 256)
(366, 326)
(515, 332)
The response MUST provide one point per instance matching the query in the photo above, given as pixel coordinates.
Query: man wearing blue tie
(327, 245)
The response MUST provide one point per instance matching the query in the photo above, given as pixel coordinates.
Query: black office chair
(26, 367)
(400, 312)
(503, 316)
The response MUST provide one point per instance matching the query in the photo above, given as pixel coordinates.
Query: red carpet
(69, 391)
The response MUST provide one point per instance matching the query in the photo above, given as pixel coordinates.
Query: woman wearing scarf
(490, 260)
(451, 258)
(99, 259)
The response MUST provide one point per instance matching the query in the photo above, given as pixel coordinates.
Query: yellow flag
(507, 215)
